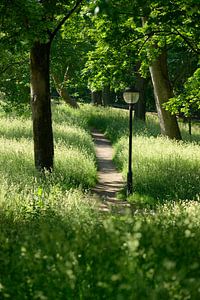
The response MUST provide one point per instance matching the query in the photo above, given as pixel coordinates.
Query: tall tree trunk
(163, 92)
(41, 106)
(62, 91)
(140, 106)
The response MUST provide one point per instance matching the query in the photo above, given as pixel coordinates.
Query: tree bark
(96, 97)
(140, 106)
(62, 91)
(163, 92)
(41, 106)
(106, 96)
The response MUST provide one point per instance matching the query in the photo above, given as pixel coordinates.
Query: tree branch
(197, 51)
(148, 37)
(66, 17)
(165, 33)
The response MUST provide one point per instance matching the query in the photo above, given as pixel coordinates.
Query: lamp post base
(129, 183)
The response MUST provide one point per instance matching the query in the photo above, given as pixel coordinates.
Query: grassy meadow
(55, 244)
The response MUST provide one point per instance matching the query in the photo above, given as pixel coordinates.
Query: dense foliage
(101, 45)
(188, 102)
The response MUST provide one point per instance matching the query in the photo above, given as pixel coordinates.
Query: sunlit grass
(162, 169)
(55, 244)
(74, 155)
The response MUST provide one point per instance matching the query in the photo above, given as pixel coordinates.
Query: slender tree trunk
(106, 95)
(140, 106)
(41, 106)
(163, 92)
(62, 91)
(96, 97)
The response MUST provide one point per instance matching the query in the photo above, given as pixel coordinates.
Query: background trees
(14, 80)
(68, 57)
(152, 29)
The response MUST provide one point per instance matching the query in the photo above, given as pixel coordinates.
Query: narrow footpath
(110, 181)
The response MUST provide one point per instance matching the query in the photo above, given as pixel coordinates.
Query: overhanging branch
(186, 40)
(66, 17)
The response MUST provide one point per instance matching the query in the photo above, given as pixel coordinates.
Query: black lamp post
(131, 96)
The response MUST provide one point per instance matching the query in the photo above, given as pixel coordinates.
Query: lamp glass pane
(131, 97)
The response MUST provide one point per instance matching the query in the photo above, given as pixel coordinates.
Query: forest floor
(110, 181)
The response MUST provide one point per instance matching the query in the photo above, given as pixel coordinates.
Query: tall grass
(74, 155)
(64, 249)
(162, 169)
(54, 244)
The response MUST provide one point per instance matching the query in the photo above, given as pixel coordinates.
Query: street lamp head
(131, 95)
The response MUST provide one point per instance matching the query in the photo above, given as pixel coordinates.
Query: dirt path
(110, 181)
